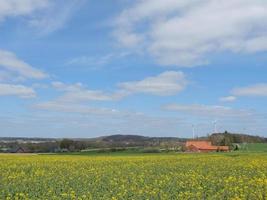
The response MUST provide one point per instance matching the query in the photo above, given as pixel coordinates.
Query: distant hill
(124, 138)
(137, 140)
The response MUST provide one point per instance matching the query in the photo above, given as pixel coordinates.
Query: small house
(203, 146)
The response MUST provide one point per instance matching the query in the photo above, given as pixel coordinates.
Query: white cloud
(9, 62)
(16, 90)
(64, 87)
(56, 16)
(209, 111)
(79, 93)
(95, 62)
(253, 90)
(4, 76)
(185, 33)
(165, 84)
(46, 16)
(58, 106)
(228, 99)
(75, 97)
(14, 8)
(128, 39)
(89, 61)
(88, 95)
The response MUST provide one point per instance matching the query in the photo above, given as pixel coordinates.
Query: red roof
(205, 145)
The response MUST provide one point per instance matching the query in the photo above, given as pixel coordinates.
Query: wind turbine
(193, 130)
(215, 126)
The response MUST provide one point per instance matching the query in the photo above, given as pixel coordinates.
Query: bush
(150, 150)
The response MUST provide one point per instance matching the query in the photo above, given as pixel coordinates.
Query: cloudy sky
(85, 68)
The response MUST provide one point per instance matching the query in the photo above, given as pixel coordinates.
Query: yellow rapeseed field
(181, 176)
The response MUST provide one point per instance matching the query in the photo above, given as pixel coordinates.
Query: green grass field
(254, 147)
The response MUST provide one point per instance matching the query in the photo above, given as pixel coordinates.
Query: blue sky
(85, 68)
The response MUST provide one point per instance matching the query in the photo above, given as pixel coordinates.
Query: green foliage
(227, 139)
(67, 144)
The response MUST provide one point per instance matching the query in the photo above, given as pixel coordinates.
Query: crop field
(177, 176)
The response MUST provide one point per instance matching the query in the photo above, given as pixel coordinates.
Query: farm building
(19, 150)
(203, 146)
